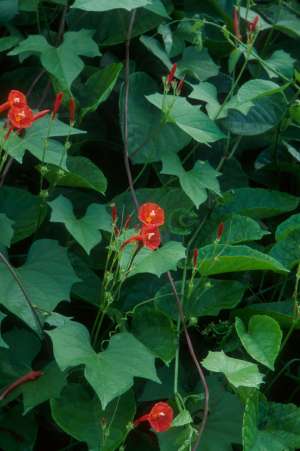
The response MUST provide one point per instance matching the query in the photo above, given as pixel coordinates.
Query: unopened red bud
(236, 24)
(180, 86)
(195, 257)
(171, 74)
(57, 103)
(127, 222)
(72, 108)
(220, 231)
(114, 213)
(252, 25)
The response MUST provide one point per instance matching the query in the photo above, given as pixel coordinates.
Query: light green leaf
(197, 63)
(222, 258)
(207, 93)
(107, 5)
(47, 277)
(238, 372)
(110, 372)
(188, 118)
(160, 261)
(257, 202)
(80, 172)
(8, 42)
(6, 230)
(262, 23)
(270, 426)
(239, 229)
(85, 230)
(287, 250)
(288, 226)
(156, 332)
(195, 182)
(62, 62)
(263, 339)
(282, 62)
(98, 88)
(184, 417)
(148, 136)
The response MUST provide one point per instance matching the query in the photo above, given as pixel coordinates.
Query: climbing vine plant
(149, 225)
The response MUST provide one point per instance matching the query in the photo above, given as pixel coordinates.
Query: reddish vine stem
(126, 96)
(170, 277)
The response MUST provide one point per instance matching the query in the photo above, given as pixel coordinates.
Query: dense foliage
(149, 225)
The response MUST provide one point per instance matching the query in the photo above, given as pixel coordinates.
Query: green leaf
(44, 388)
(155, 47)
(224, 422)
(239, 229)
(197, 63)
(288, 226)
(238, 372)
(6, 230)
(62, 62)
(207, 298)
(148, 137)
(257, 202)
(207, 93)
(8, 42)
(266, 113)
(262, 340)
(188, 118)
(8, 10)
(3, 344)
(110, 372)
(80, 173)
(222, 258)
(98, 88)
(78, 414)
(156, 332)
(195, 182)
(23, 209)
(158, 262)
(86, 229)
(107, 5)
(47, 277)
(178, 438)
(270, 426)
(287, 250)
(89, 287)
(282, 62)
(81, 416)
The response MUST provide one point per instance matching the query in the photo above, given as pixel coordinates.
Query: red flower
(15, 99)
(150, 236)
(160, 417)
(24, 117)
(171, 74)
(57, 103)
(151, 214)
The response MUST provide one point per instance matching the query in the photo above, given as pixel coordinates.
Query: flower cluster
(152, 216)
(160, 417)
(171, 82)
(20, 115)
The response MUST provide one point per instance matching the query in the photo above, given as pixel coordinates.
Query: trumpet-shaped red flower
(31, 376)
(24, 117)
(57, 104)
(160, 417)
(148, 237)
(15, 99)
(151, 214)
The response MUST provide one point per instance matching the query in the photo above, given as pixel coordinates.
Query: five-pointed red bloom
(24, 117)
(151, 214)
(15, 99)
(160, 417)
